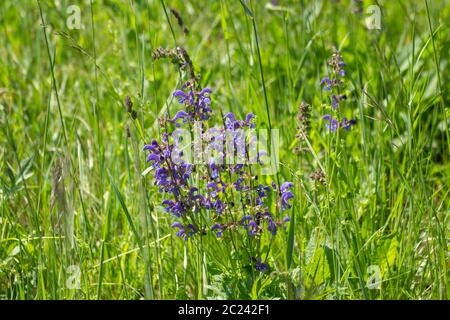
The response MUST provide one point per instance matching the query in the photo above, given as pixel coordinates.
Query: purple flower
(335, 101)
(214, 169)
(285, 220)
(177, 208)
(252, 228)
(332, 83)
(261, 191)
(197, 105)
(181, 231)
(286, 194)
(333, 124)
(219, 228)
(169, 176)
(184, 98)
(346, 124)
(182, 234)
(238, 184)
(232, 124)
(214, 188)
(272, 227)
(274, 186)
(205, 91)
(248, 120)
(186, 202)
(192, 229)
(327, 83)
(156, 153)
(219, 206)
(261, 266)
(177, 225)
(180, 115)
(250, 224)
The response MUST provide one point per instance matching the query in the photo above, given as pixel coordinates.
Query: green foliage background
(73, 201)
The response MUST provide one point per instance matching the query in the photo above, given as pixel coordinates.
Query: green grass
(74, 204)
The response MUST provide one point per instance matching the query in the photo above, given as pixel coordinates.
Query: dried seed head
(177, 16)
(319, 176)
(178, 57)
(187, 62)
(303, 124)
(128, 104)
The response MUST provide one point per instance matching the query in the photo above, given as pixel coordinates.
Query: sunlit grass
(78, 220)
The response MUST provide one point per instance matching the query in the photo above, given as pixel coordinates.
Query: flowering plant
(333, 84)
(218, 192)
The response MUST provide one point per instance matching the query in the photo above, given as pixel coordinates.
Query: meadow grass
(79, 220)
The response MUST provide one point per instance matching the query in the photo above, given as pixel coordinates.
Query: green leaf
(247, 9)
(125, 210)
(290, 244)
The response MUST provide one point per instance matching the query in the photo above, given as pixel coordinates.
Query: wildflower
(272, 228)
(232, 124)
(219, 228)
(333, 84)
(180, 115)
(327, 83)
(286, 194)
(219, 206)
(286, 219)
(191, 229)
(181, 231)
(252, 228)
(238, 184)
(333, 124)
(250, 224)
(177, 208)
(337, 64)
(261, 266)
(173, 178)
(261, 191)
(197, 105)
(337, 71)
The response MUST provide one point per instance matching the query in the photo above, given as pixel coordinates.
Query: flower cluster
(334, 124)
(223, 194)
(197, 105)
(333, 84)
